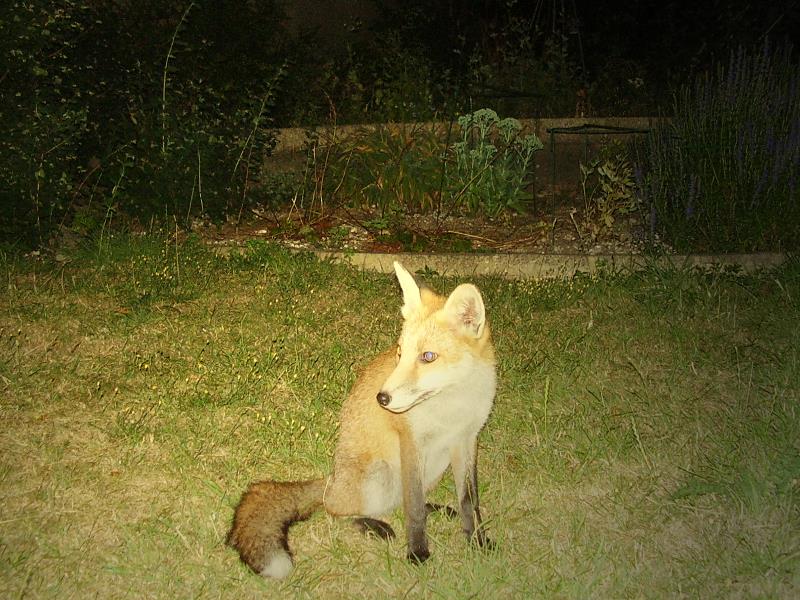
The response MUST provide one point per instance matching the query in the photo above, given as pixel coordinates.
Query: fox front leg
(465, 473)
(416, 512)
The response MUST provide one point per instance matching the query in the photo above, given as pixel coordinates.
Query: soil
(563, 229)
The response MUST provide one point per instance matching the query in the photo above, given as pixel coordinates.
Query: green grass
(645, 441)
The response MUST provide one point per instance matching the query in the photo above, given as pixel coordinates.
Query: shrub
(42, 116)
(415, 169)
(608, 187)
(722, 175)
(126, 109)
(493, 162)
(177, 142)
(389, 169)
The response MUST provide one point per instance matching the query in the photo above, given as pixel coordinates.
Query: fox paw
(418, 556)
(374, 527)
(480, 540)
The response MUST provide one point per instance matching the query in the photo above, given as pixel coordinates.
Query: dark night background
(128, 101)
(602, 44)
(392, 60)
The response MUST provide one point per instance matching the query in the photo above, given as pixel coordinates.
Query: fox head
(444, 345)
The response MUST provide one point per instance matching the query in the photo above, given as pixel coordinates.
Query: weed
(416, 169)
(721, 174)
(608, 188)
(493, 164)
(153, 269)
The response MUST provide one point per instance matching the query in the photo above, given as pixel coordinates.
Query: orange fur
(414, 411)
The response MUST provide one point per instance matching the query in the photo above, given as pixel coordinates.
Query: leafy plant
(609, 192)
(91, 136)
(42, 115)
(398, 169)
(388, 169)
(494, 162)
(415, 169)
(722, 174)
(194, 150)
(402, 82)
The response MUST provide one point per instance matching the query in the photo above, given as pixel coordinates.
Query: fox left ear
(465, 307)
(412, 299)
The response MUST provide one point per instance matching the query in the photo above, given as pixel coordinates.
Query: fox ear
(411, 296)
(466, 310)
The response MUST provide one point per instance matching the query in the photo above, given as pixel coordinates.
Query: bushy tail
(262, 520)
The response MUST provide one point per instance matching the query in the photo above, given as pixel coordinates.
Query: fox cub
(415, 410)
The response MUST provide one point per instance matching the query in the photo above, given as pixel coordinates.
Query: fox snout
(383, 398)
(397, 402)
(402, 399)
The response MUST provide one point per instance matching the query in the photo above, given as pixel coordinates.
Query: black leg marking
(414, 508)
(418, 556)
(465, 472)
(471, 512)
(415, 515)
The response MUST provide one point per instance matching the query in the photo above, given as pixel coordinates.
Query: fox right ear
(411, 296)
(466, 310)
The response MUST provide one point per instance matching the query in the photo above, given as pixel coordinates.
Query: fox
(414, 411)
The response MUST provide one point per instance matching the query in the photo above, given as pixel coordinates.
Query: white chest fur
(451, 420)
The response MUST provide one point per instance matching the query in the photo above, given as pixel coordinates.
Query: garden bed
(542, 230)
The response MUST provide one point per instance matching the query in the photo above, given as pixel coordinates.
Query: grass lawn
(645, 441)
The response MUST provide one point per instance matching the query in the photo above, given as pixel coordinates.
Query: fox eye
(428, 356)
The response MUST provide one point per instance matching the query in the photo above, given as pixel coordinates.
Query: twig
(575, 223)
(164, 79)
(471, 236)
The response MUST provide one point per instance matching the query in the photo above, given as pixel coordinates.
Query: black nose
(383, 398)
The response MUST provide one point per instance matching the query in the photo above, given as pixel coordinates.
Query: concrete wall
(292, 139)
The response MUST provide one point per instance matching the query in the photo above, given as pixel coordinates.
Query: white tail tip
(279, 566)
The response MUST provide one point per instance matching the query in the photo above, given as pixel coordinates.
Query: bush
(389, 169)
(416, 169)
(608, 188)
(128, 109)
(493, 163)
(186, 125)
(722, 175)
(42, 116)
